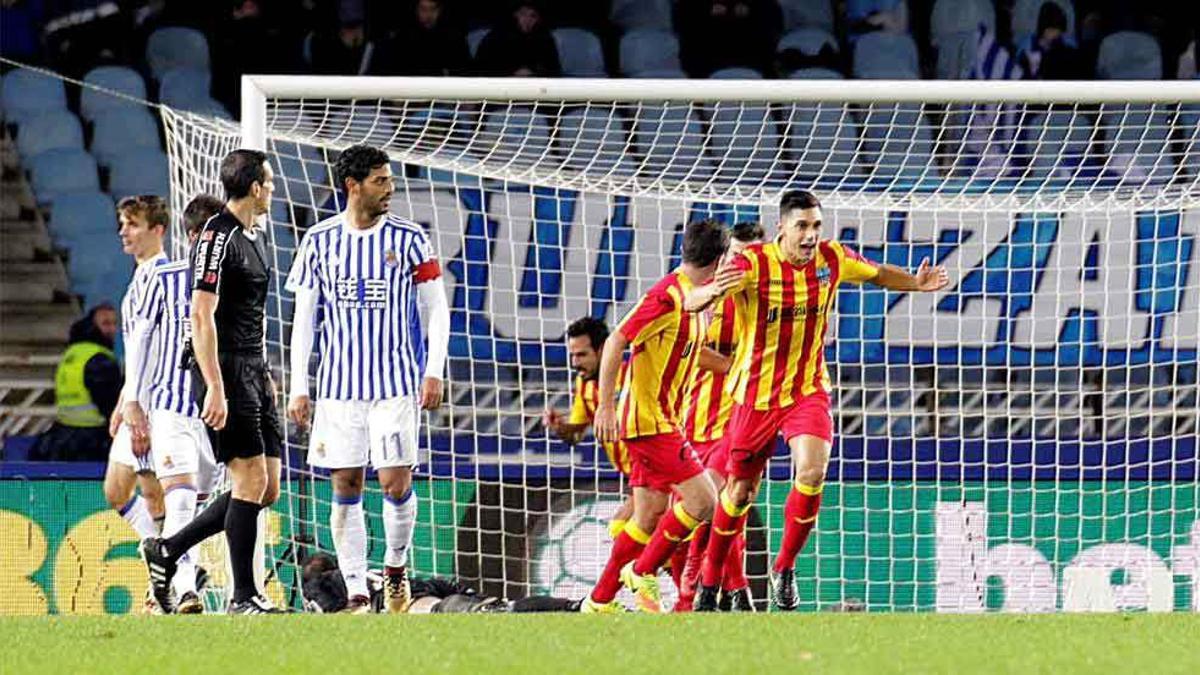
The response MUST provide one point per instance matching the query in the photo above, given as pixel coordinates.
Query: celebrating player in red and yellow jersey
(667, 344)
(785, 290)
(709, 407)
(585, 339)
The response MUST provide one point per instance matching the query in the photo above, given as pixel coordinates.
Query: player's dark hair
(150, 207)
(704, 242)
(199, 210)
(595, 329)
(357, 162)
(797, 199)
(240, 170)
(748, 231)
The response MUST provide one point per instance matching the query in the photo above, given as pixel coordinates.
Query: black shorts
(252, 427)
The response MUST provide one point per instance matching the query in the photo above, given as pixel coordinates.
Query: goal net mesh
(1024, 441)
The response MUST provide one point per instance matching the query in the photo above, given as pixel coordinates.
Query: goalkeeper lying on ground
(325, 592)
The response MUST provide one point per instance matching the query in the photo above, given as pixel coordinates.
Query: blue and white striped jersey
(143, 276)
(165, 305)
(371, 343)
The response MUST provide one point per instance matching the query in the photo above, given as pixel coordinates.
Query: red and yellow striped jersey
(786, 309)
(665, 343)
(709, 404)
(583, 410)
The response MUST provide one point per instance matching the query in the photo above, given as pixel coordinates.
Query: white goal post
(1024, 441)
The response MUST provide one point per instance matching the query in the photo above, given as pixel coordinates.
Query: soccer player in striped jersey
(183, 457)
(666, 344)
(708, 408)
(785, 289)
(381, 295)
(143, 223)
(585, 339)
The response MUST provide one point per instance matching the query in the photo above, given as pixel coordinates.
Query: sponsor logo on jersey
(823, 276)
(361, 293)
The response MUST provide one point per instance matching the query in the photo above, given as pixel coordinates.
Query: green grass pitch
(767, 644)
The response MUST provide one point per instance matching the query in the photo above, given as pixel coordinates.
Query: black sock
(241, 530)
(206, 523)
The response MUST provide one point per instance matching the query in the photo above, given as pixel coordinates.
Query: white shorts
(181, 447)
(121, 452)
(345, 432)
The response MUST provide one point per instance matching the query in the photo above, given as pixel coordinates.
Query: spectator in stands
(868, 16)
(716, 34)
(426, 44)
(248, 40)
(346, 50)
(522, 46)
(1049, 56)
(87, 385)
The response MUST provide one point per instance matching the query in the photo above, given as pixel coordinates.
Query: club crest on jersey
(168, 463)
(823, 276)
(390, 259)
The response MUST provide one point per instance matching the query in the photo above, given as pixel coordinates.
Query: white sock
(349, 527)
(138, 516)
(180, 504)
(399, 517)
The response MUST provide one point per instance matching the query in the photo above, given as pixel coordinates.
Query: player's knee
(270, 494)
(810, 475)
(116, 495)
(396, 484)
(741, 492)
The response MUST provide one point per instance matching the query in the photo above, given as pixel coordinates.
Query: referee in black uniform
(230, 273)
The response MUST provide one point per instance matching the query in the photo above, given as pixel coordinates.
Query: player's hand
(299, 409)
(931, 278)
(139, 428)
(605, 423)
(727, 278)
(431, 393)
(114, 421)
(216, 408)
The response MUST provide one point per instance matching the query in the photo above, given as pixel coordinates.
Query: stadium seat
(660, 74)
(670, 138)
(886, 56)
(475, 37)
(1129, 55)
(74, 215)
(647, 14)
(119, 131)
(57, 172)
(1054, 144)
(594, 139)
(821, 138)
(26, 94)
(807, 14)
(897, 143)
(580, 53)
(182, 88)
(645, 49)
(176, 47)
(816, 74)
(959, 16)
(743, 142)
(957, 54)
(808, 41)
(736, 74)
(93, 103)
(140, 172)
(1137, 147)
(1025, 18)
(301, 179)
(515, 137)
(49, 131)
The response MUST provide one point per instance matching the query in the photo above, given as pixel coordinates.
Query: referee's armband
(427, 271)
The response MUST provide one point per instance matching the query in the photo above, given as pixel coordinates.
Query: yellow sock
(615, 526)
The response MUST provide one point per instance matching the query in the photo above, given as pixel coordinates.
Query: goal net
(1025, 440)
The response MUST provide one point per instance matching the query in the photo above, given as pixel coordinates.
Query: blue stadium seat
(1025, 18)
(807, 14)
(660, 74)
(75, 215)
(475, 37)
(1054, 145)
(301, 179)
(119, 131)
(815, 74)
(744, 143)
(140, 172)
(580, 53)
(634, 14)
(26, 94)
(808, 41)
(176, 47)
(516, 137)
(1129, 55)
(49, 131)
(671, 139)
(897, 144)
(62, 171)
(1137, 147)
(959, 16)
(98, 269)
(886, 56)
(822, 139)
(182, 88)
(736, 74)
(594, 139)
(645, 49)
(92, 103)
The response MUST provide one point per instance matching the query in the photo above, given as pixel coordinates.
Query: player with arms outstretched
(666, 344)
(374, 276)
(785, 289)
(585, 339)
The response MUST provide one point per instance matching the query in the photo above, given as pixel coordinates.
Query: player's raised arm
(928, 278)
(730, 278)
